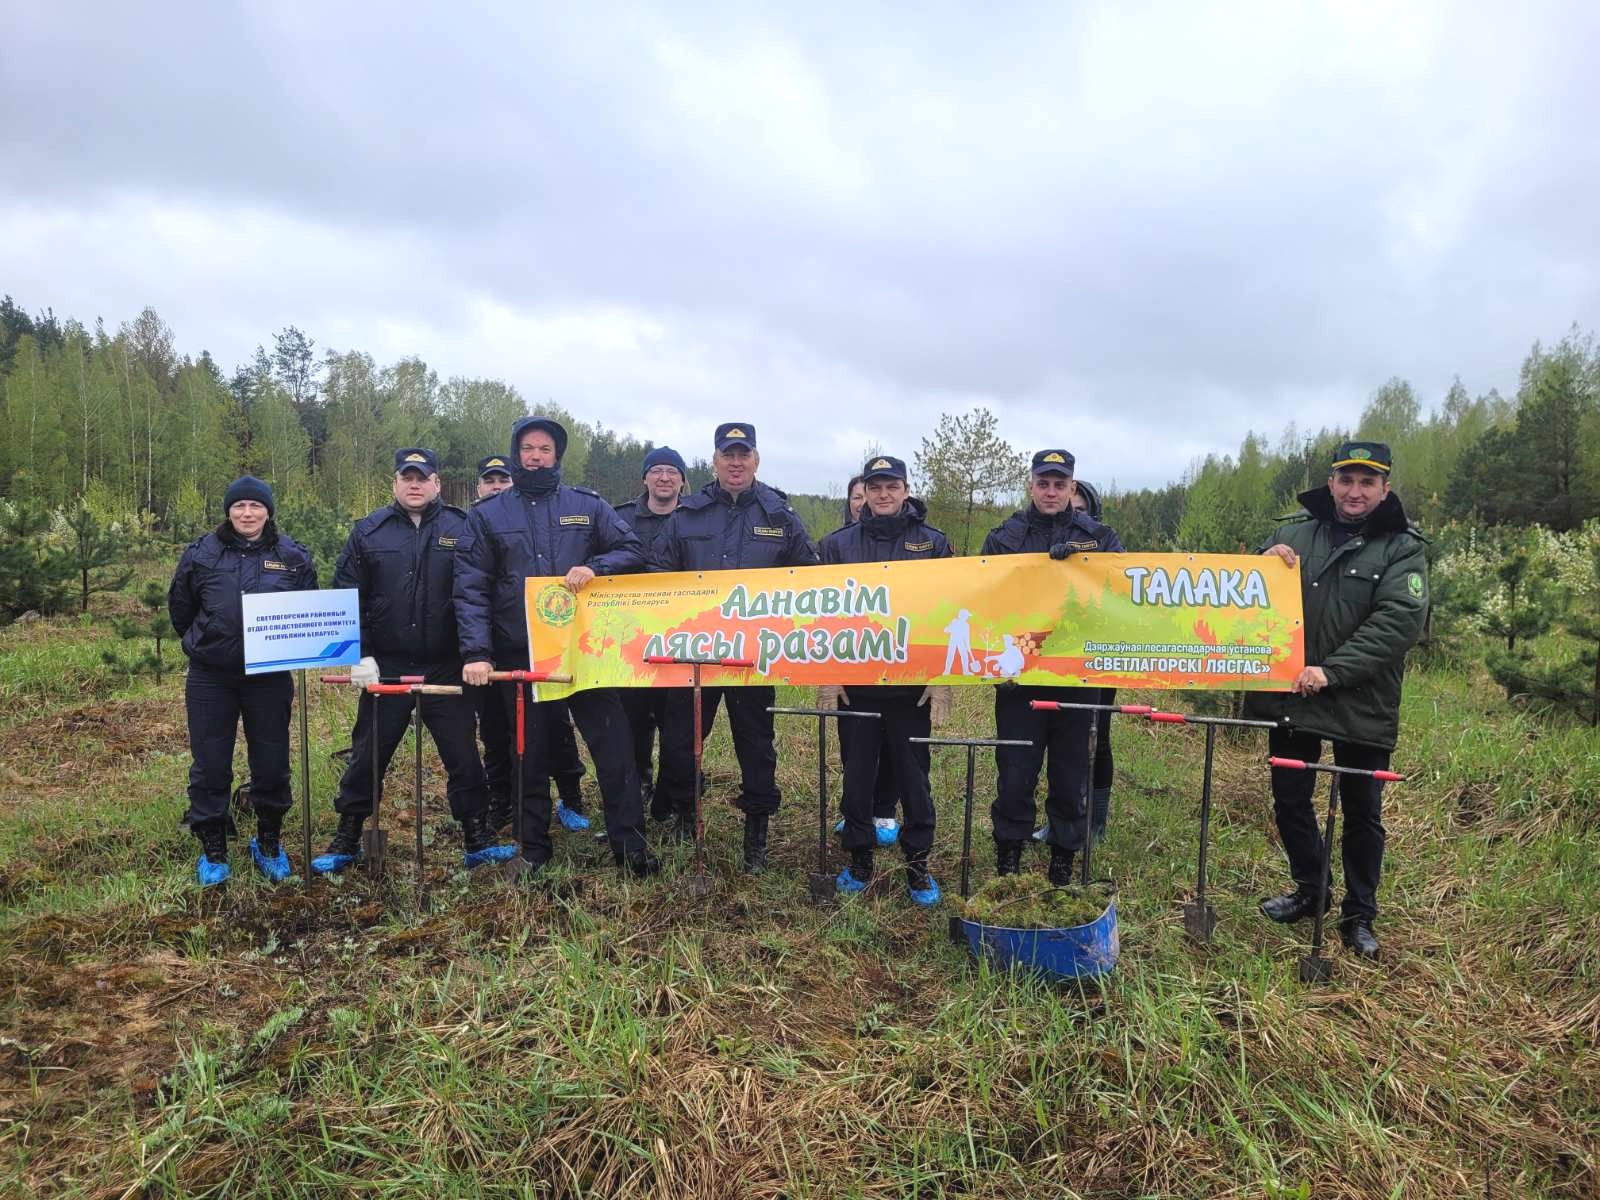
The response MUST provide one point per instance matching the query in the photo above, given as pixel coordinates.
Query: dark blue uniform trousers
(885, 791)
(215, 700)
(452, 722)
(753, 734)
(1063, 739)
(604, 728)
(871, 742)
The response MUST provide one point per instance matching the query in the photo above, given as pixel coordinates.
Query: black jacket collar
(1388, 517)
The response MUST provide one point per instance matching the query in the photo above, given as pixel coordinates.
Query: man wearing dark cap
(402, 559)
(665, 477)
(1364, 586)
(1050, 525)
(892, 528)
(735, 523)
(542, 527)
(565, 765)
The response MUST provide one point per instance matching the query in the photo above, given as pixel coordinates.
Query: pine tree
(92, 548)
(154, 624)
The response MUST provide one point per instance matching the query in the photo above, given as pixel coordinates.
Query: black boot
(1060, 866)
(269, 831)
(1358, 937)
(641, 864)
(479, 844)
(344, 847)
(682, 828)
(755, 843)
(1007, 858)
(1295, 906)
(499, 813)
(211, 867)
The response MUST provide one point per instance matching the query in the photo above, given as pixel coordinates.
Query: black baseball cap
(416, 458)
(1374, 456)
(735, 433)
(494, 464)
(1057, 462)
(884, 466)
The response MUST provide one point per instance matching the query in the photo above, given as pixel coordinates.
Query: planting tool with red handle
(519, 744)
(375, 841)
(700, 881)
(957, 931)
(821, 881)
(1199, 918)
(1313, 967)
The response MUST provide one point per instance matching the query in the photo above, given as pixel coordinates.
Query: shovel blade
(374, 848)
(699, 885)
(821, 887)
(957, 932)
(1315, 969)
(1199, 921)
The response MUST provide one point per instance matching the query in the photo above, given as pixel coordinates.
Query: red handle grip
(1388, 776)
(335, 678)
(1168, 718)
(389, 689)
(1291, 764)
(1137, 710)
(1045, 705)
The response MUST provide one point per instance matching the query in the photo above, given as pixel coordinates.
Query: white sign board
(291, 631)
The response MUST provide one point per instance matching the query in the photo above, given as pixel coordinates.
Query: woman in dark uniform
(244, 555)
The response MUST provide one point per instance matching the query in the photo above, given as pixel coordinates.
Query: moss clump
(1029, 902)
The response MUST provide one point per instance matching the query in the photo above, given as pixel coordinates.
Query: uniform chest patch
(919, 545)
(268, 564)
(767, 531)
(448, 543)
(575, 519)
(1080, 545)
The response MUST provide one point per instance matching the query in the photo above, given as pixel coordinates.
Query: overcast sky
(1136, 230)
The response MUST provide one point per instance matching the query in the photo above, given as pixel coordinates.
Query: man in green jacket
(1364, 585)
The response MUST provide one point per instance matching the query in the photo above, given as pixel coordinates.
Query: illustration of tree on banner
(965, 468)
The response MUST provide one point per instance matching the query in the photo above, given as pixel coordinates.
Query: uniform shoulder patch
(576, 519)
(1415, 584)
(587, 491)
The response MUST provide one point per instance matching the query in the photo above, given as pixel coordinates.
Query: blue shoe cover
(572, 822)
(209, 873)
(838, 826)
(327, 864)
(928, 896)
(849, 884)
(1042, 833)
(489, 854)
(887, 830)
(276, 869)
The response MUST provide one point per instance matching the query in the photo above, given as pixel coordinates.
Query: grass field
(609, 1038)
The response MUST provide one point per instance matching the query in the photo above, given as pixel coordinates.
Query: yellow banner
(1167, 621)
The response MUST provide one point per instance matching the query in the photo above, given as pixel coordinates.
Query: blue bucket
(1076, 952)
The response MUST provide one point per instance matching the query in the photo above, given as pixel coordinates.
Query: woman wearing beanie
(244, 555)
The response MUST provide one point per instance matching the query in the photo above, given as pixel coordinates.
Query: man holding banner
(401, 558)
(892, 528)
(735, 524)
(1049, 524)
(670, 797)
(541, 527)
(1364, 583)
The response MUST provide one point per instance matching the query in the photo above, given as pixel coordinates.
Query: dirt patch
(67, 749)
(70, 1032)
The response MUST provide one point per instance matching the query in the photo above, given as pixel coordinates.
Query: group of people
(442, 599)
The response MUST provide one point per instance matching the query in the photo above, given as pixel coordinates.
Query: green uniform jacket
(1365, 602)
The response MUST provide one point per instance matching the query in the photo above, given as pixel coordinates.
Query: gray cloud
(1140, 231)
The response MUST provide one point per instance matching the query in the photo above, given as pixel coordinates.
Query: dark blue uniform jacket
(218, 569)
(648, 525)
(406, 574)
(526, 532)
(1029, 531)
(903, 537)
(713, 531)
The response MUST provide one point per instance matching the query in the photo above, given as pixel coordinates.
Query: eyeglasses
(660, 472)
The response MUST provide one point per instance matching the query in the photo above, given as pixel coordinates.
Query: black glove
(1060, 551)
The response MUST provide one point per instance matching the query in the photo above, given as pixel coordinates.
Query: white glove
(938, 699)
(830, 696)
(364, 672)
